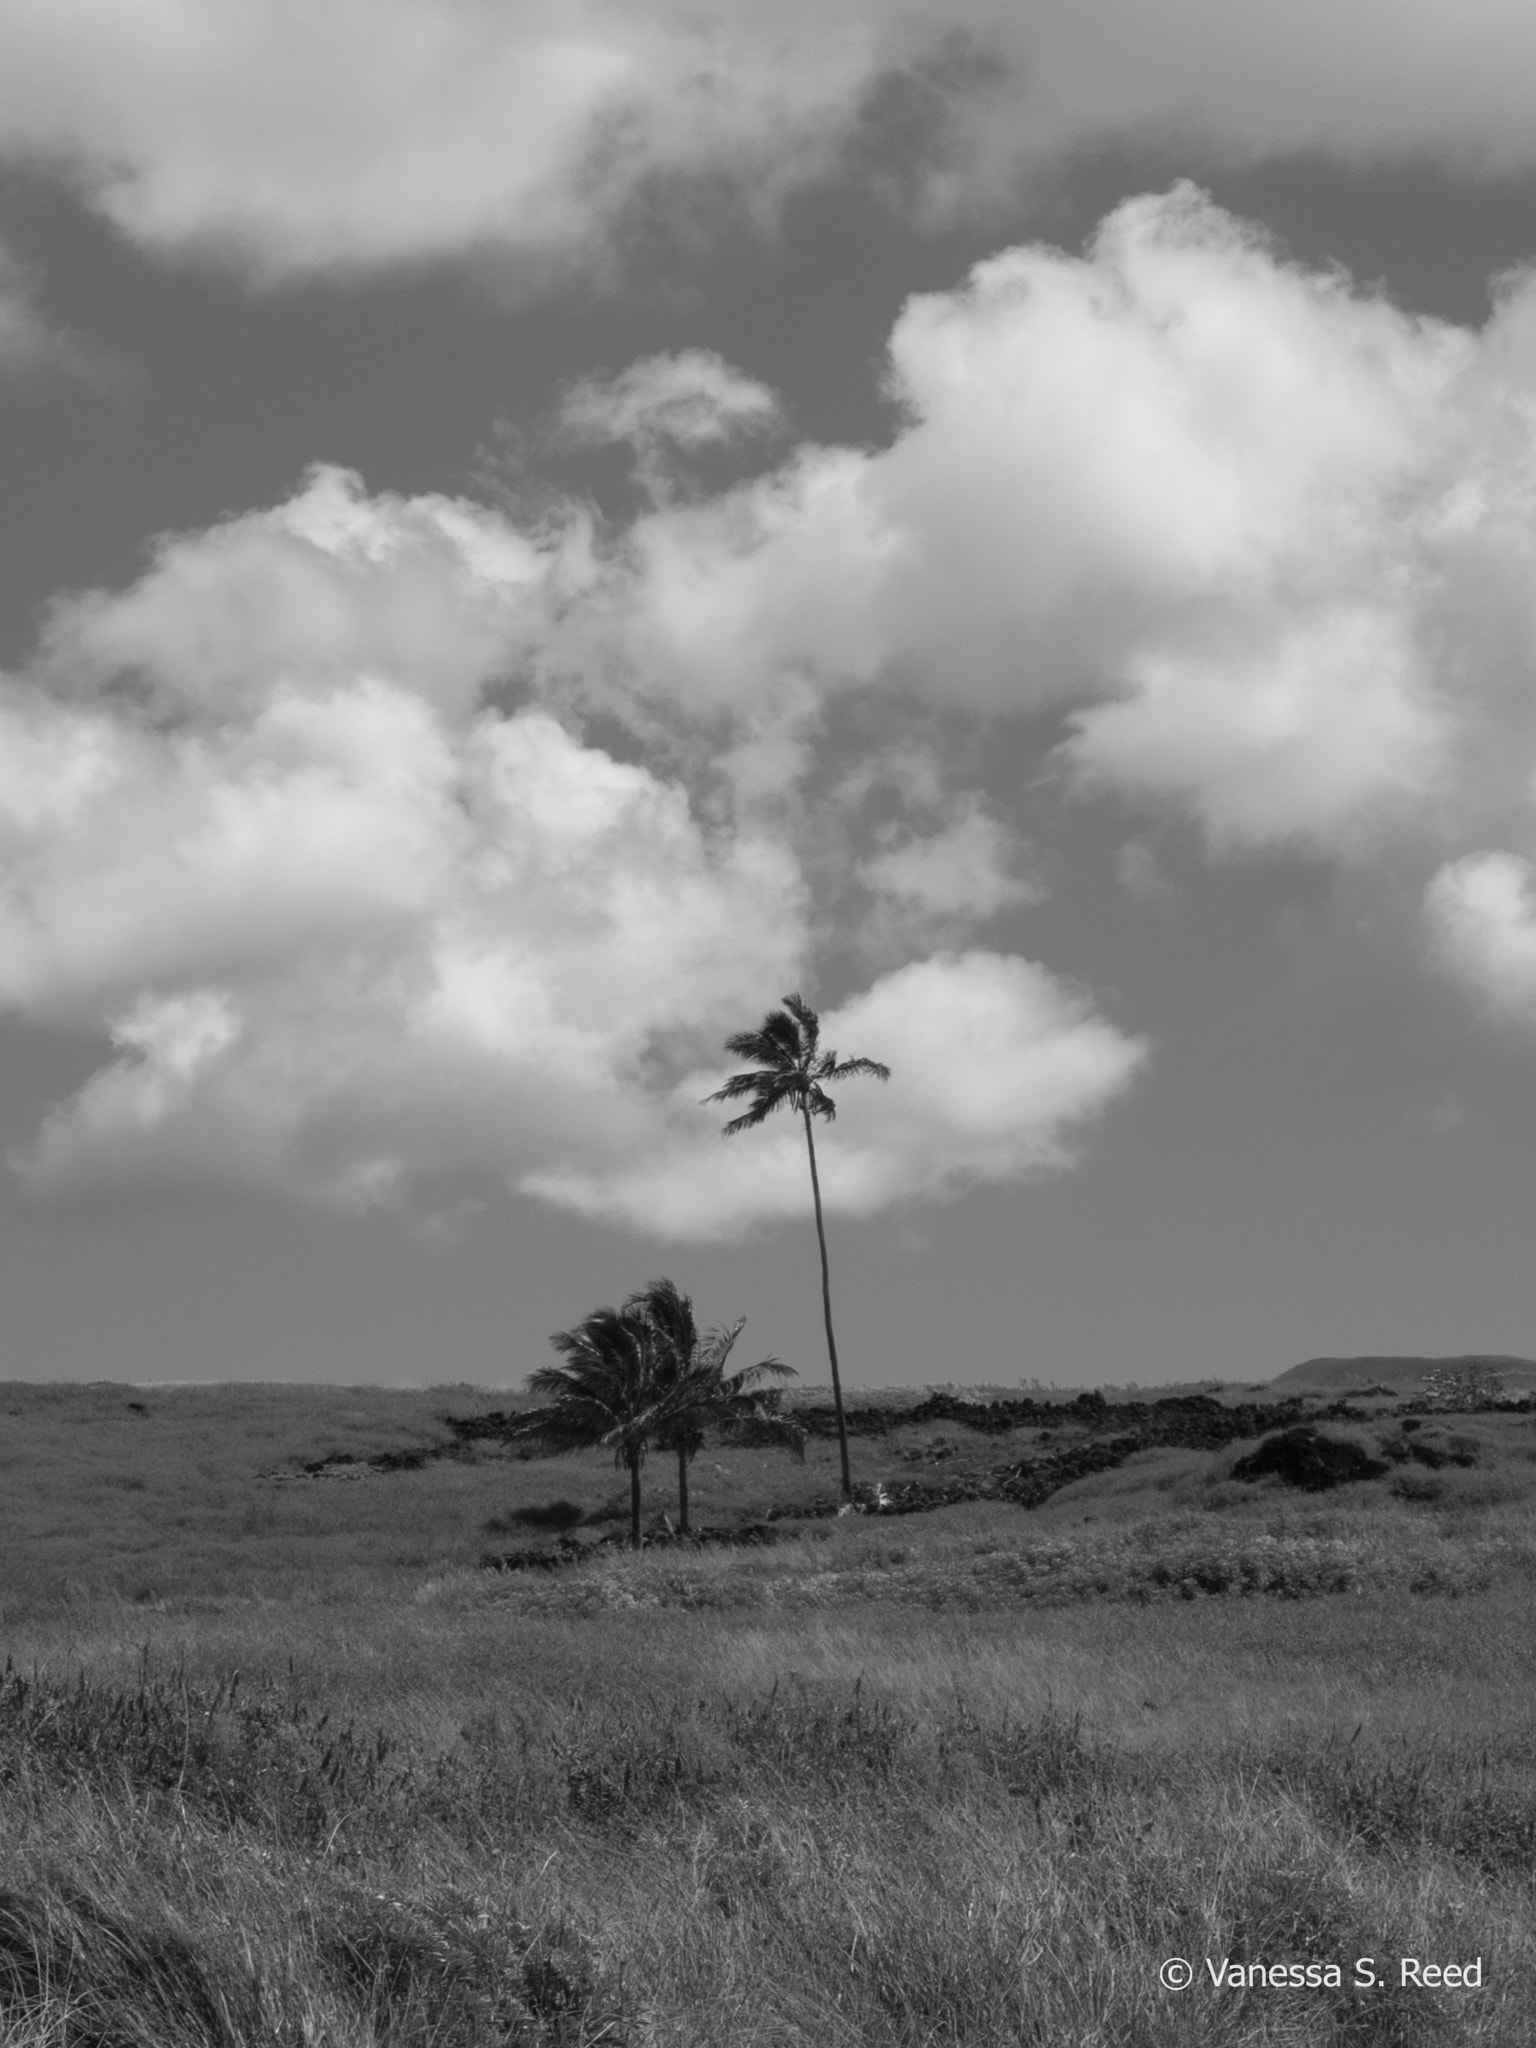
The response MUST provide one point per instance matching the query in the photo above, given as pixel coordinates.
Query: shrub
(1306, 1458)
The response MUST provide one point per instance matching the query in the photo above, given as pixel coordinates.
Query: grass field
(281, 1761)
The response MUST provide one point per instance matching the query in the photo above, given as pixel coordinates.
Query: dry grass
(958, 1778)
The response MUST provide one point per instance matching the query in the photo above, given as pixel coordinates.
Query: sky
(532, 532)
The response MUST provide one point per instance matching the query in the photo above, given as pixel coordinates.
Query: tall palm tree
(789, 1071)
(701, 1394)
(606, 1395)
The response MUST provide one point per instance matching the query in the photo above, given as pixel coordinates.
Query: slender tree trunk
(634, 1500)
(826, 1310)
(682, 1491)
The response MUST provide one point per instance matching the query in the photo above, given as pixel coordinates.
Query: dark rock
(401, 1461)
(1305, 1458)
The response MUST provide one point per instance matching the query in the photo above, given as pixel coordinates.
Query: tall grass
(872, 1824)
(966, 1778)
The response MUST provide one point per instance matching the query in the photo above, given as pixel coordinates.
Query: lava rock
(1305, 1458)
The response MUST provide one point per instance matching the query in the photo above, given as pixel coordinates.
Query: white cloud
(694, 398)
(355, 932)
(1481, 916)
(934, 886)
(434, 594)
(996, 1067)
(1266, 541)
(669, 408)
(292, 140)
(296, 140)
(344, 946)
(1263, 546)
(1301, 738)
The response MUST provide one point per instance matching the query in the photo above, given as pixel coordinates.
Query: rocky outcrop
(1306, 1458)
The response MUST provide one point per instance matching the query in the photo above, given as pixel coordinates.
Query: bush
(1306, 1458)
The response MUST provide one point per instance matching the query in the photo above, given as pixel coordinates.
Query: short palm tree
(701, 1394)
(606, 1395)
(788, 1073)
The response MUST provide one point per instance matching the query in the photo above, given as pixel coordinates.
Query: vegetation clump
(1307, 1458)
(647, 1375)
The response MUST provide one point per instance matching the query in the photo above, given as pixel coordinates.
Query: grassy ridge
(962, 1777)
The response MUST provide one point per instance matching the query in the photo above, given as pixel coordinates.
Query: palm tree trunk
(634, 1500)
(826, 1310)
(682, 1491)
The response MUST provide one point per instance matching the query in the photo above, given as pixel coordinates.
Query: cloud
(290, 141)
(344, 946)
(694, 399)
(308, 828)
(306, 824)
(669, 408)
(352, 929)
(27, 342)
(1481, 917)
(429, 593)
(929, 887)
(995, 1069)
(1261, 542)
(295, 141)
(1301, 734)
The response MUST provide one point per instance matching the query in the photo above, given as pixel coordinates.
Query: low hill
(1337, 1373)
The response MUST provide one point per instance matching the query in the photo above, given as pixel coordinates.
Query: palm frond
(750, 1120)
(603, 1394)
(716, 1343)
(769, 1091)
(662, 1304)
(808, 1021)
(775, 1043)
(757, 1422)
(748, 1377)
(789, 1070)
(842, 1070)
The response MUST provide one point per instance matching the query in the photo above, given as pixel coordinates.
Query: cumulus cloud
(353, 135)
(344, 945)
(429, 593)
(932, 886)
(291, 141)
(352, 929)
(305, 825)
(1481, 916)
(995, 1069)
(1302, 734)
(1263, 541)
